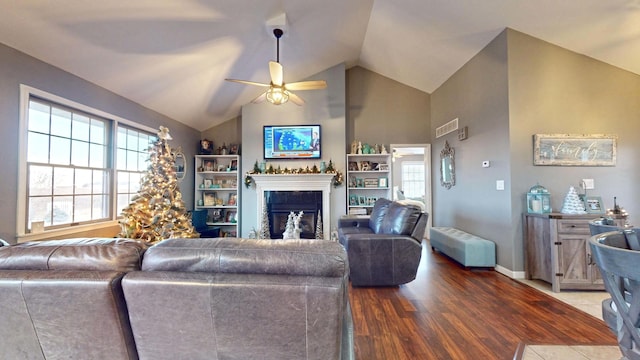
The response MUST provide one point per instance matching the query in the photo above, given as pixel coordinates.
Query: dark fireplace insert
(281, 203)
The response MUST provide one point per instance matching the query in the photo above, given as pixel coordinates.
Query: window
(69, 160)
(413, 179)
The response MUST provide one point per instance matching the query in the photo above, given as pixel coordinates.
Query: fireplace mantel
(296, 182)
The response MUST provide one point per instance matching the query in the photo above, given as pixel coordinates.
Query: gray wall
(477, 95)
(516, 87)
(18, 68)
(325, 107)
(553, 90)
(384, 111)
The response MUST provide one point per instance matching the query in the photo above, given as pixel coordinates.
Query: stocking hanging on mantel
(157, 212)
(572, 203)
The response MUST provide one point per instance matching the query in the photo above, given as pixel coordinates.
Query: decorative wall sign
(574, 150)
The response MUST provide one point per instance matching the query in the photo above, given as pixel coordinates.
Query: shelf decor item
(538, 200)
(572, 203)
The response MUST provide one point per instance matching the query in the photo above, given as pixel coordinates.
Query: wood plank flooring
(450, 312)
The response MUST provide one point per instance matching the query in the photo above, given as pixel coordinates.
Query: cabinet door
(573, 263)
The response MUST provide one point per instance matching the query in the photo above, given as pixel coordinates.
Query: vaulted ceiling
(172, 56)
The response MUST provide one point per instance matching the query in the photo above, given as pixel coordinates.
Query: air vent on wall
(447, 128)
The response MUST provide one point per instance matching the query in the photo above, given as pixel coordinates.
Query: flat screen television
(291, 142)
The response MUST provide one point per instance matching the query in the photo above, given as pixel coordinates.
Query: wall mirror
(180, 164)
(447, 166)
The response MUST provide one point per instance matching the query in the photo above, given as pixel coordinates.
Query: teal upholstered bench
(465, 248)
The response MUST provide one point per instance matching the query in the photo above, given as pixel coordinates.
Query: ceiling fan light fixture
(277, 95)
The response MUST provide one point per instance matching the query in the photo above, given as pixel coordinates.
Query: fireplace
(266, 183)
(281, 203)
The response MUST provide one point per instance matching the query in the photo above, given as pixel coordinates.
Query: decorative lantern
(538, 200)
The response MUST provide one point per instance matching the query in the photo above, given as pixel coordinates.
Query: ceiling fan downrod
(278, 34)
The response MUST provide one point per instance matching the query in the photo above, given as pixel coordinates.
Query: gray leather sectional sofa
(179, 299)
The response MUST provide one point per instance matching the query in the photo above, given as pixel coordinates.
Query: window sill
(98, 229)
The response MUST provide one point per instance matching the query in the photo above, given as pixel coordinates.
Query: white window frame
(402, 175)
(26, 92)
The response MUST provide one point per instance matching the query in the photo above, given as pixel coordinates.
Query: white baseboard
(510, 273)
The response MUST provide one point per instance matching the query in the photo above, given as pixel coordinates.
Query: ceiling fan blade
(260, 98)
(275, 69)
(307, 85)
(296, 99)
(248, 82)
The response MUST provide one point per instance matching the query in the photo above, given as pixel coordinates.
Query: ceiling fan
(279, 92)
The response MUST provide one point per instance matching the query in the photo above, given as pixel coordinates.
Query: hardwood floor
(449, 312)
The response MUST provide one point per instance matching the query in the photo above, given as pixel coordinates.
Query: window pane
(123, 201)
(39, 210)
(60, 151)
(100, 182)
(132, 140)
(122, 159)
(123, 182)
(134, 182)
(97, 156)
(143, 161)
(143, 144)
(83, 182)
(122, 138)
(62, 181)
(39, 117)
(79, 153)
(38, 148)
(80, 127)
(82, 208)
(40, 180)
(62, 210)
(98, 132)
(100, 208)
(132, 161)
(60, 122)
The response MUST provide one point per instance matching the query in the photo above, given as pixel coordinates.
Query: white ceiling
(173, 55)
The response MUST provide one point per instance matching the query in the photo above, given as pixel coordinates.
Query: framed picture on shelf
(208, 183)
(383, 167)
(209, 199)
(593, 205)
(362, 200)
(359, 182)
(233, 149)
(353, 166)
(230, 216)
(206, 147)
(232, 199)
(382, 182)
(216, 215)
(353, 200)
(209, 165)
(364, 166)
(234, 165)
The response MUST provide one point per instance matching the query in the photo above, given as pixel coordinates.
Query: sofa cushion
(400, 219)
(378, 214)
(74, 254)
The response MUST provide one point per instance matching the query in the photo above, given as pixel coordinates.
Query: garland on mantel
(336, 181)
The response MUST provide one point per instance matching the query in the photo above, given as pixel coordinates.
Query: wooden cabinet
(216, 190)
(368, 178)
(557, 251)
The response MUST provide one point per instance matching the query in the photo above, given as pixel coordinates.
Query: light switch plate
(589, 184)
(499, 184)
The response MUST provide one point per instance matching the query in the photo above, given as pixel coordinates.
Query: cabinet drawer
(573, 227)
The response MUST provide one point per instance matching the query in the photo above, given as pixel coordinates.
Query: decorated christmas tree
(265, 233)
(319, 233)
(157, 212)
(572, 203)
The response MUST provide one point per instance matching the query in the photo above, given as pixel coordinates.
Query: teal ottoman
(465, 248)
